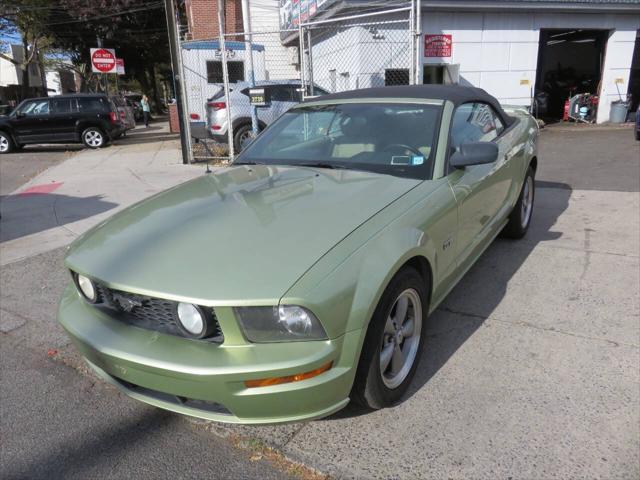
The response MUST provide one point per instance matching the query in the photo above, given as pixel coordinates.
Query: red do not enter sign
(103, 60)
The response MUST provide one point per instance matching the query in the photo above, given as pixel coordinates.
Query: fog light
(87, 288)
(192, 320)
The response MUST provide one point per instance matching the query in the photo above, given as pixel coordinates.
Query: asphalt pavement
(530, 368)
(20, 167)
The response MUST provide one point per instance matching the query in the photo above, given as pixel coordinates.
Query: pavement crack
(141, 179)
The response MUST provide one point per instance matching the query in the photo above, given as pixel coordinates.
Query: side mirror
(20, 115)
(474, 153)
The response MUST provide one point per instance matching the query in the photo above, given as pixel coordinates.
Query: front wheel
(93, 137)
(520, 216)
(6, 144)
(394, 341)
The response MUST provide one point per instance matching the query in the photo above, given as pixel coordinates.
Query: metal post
(310, 63)
(418, 42)
(303, 63)
(176, 66)
(248, 47)
(225, 78)
(412, 44)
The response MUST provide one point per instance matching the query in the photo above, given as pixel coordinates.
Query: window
(214, 72)
(395, 139)
(396, 76)
(93, 104)
(35, 108)
(475, 122)
(62, 105)
(285, 93)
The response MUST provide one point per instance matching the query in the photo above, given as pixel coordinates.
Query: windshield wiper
(331, 166)
(247, 163)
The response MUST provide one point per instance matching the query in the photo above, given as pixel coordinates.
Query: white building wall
(499, 51)
(357, 56)
(265, 17)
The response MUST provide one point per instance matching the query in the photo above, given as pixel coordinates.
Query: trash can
(619, 110)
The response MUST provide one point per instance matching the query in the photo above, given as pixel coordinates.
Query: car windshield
(391, 138)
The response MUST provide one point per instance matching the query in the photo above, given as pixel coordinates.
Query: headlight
(279, 324)
(86, 288)
(193, 321)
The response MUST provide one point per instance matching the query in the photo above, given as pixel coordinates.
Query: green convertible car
(302, 276)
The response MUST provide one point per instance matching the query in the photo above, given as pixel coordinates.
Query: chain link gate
(327, 56)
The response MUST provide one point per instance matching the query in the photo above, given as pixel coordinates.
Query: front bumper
(206, 380)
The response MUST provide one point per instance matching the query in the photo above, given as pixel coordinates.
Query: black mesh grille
(148, 312)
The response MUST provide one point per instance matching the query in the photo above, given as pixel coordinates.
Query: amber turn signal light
(265, 382)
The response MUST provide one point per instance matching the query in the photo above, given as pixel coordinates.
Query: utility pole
(174, 50)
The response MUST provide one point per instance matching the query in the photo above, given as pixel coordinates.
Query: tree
(136, 29)
(28, 19)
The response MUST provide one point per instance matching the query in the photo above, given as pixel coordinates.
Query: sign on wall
(438, 45)
(103, 60)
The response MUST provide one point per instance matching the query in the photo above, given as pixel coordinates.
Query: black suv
(91, 119)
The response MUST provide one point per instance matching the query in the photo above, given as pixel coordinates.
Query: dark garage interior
(569, 63)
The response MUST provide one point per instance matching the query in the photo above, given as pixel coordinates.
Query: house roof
(215, 45)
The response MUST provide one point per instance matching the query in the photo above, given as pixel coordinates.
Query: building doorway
(443, 74)
(570, 62)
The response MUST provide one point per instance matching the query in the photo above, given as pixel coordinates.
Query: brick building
(202, 18)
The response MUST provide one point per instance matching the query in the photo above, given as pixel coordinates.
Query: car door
(31, 122)
(481, 190)
(63, 118)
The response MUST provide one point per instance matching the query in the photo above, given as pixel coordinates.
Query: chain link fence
(287, 67)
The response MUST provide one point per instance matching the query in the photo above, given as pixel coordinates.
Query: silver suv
(283, 94)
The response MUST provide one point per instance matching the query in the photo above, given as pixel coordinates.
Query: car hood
(242, 234)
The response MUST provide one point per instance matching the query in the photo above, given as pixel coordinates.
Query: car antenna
(208, 170)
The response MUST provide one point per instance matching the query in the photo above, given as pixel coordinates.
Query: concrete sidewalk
(61, 203)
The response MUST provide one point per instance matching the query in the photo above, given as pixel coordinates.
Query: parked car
(283, 95)
(92, 119)
(127, 116)
(638, 123)
(134, 100)
(301, 276)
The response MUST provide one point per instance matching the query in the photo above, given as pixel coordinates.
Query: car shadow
(26, 214)
(481, 290)
(51, 148)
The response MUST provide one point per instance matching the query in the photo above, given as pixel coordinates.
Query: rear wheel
(242, 137)
(93, 137)
(394, 341)
(520, 217)
(6, 144)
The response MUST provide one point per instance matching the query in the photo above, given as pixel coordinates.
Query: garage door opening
(569, 62)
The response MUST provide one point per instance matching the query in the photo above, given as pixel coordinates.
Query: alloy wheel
(401, 338)
(93, 138)
(245, 138)
(4, 144)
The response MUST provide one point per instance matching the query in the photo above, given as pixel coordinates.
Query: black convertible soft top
(454, 93)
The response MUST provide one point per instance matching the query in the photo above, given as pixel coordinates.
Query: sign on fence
(120, 66)
(103, 60)
(437, 45)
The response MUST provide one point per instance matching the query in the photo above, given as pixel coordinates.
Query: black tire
(638, 133)
(94, 137)
(6, 143)
(520, 217)
(238, 135)
(369, 388)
